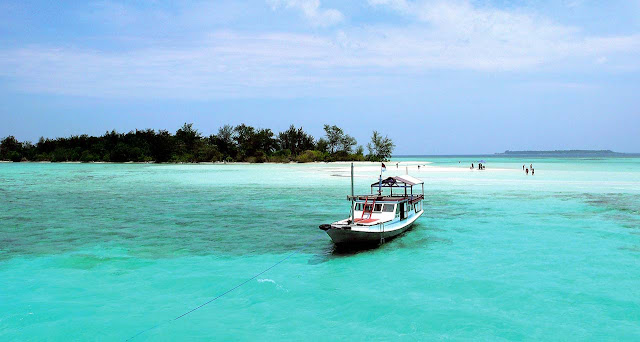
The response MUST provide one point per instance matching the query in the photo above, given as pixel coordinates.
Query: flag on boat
(384, 168)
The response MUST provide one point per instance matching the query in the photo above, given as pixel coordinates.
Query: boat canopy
(399, 181)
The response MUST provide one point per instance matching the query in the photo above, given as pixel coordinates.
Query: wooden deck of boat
(361, 220)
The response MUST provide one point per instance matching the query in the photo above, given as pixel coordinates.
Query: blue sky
(439, 77)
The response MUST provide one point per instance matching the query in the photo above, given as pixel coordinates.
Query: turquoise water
(103, 251)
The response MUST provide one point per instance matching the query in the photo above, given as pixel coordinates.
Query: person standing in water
(532, 171)
(526, 171)
(522, 167)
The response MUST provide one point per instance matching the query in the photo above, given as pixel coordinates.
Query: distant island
(563, 153)
(240, 143)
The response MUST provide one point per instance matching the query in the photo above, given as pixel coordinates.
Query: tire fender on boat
(325, 226)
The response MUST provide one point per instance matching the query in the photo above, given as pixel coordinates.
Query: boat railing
(394, 198)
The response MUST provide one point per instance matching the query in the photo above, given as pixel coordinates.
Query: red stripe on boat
(365, 220)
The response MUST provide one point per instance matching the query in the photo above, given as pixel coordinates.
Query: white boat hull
(352, 235)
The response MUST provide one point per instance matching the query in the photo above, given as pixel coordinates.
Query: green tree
(337, 140)
(265, 142)
(322, 145)
(244, 137)
(162, 146)
(11, 149)
(334, 135)
(120, 153)
(347, 143)
(28, 150)
(225, 141)
(207, 153)
(380, 148)
(295, 140)
(187, 145)
(188, 136)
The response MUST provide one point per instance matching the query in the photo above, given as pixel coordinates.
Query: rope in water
(229, 290)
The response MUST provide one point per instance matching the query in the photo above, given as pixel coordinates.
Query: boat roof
(394, 180)
(409, 179)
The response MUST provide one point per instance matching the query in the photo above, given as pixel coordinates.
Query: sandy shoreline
(340, 166)
(410, 167)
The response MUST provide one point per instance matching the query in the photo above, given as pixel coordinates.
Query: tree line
(240, 143)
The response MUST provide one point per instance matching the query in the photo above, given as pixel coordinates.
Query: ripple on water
(494, 256)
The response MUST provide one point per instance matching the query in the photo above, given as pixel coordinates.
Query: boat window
(378, 208)
(387, 208)
(358, 206)
(368, 207)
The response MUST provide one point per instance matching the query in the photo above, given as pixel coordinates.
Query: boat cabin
(388, 211)
(394, 201)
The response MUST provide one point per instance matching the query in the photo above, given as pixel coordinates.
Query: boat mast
(380, 182)
(352, 213)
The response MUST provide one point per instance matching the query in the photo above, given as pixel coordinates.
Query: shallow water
(104, 251)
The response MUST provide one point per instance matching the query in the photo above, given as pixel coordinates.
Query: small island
(562, 153)
(240, 143)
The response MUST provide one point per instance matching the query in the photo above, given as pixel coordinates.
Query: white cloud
(226, 64)
(400, 5)
(311, 10)
(494, 39)
(149, 16)
(441, 36)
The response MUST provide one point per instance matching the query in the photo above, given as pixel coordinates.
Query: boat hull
(345, 237)
(353, 238)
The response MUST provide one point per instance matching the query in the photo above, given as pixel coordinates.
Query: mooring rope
(229, 290)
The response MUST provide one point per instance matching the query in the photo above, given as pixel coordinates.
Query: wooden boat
(380, 217)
